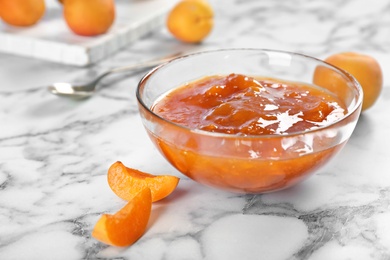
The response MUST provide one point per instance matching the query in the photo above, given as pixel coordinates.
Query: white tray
(50, 39)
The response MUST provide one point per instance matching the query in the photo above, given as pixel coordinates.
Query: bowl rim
(154, 70)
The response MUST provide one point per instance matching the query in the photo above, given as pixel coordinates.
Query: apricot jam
(238, 104)
(260, 149)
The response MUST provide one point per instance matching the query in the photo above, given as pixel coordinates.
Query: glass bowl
(252, 163)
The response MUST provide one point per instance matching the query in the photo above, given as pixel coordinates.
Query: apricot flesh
(89, 17)
(191, 20)
(364, 68)
(125, 182)
(127, 225)
(22, 12)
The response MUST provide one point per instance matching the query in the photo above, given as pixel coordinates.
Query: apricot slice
(127, 225)
(126, 182)
(190, 20)
(364, 68)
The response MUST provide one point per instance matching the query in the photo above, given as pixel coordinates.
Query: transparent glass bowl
(247, 164)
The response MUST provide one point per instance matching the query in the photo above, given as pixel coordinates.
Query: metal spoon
(66, 89)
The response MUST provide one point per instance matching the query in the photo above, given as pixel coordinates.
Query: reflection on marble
(54, 154)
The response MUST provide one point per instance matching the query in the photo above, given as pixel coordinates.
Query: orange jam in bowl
(247, 120)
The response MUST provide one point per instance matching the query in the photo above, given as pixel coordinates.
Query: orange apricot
(364, 68)
(89, 17)
(126, 182)
(190, 20)
(127, 225)
(22, 12)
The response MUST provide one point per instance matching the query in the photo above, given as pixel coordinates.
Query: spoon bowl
(66, 89)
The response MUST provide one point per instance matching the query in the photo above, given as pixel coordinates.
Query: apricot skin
(190, 20)
(364, 68)
(89, 17)
(22, 12)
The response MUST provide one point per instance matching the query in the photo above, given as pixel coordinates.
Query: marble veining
(55, 152)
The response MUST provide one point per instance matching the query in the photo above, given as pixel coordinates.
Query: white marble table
(54, 154)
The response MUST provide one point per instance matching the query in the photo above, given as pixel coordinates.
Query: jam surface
(243, 105)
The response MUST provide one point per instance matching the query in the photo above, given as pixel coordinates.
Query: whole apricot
(22, 12)
(190, 20)
(364, 68)
(89, 17)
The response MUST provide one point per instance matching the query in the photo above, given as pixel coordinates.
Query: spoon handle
(86, 90)
(146, 64)
(136, 66)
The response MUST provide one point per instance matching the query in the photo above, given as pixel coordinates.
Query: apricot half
(126, 182)
(89, 17)
(127, 225)
(22, 12)
(364, 68)
(190, 20)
